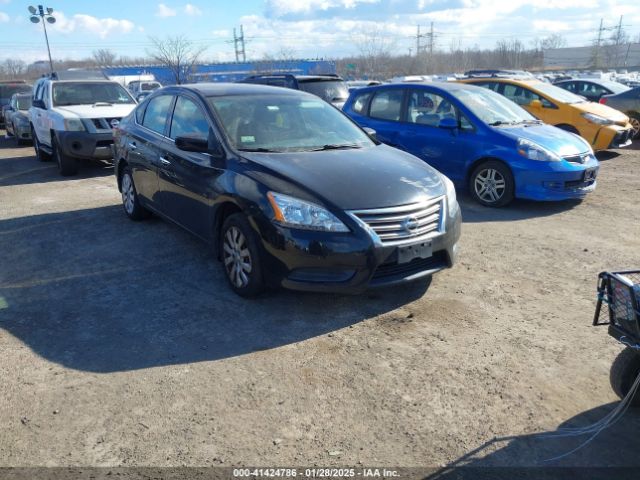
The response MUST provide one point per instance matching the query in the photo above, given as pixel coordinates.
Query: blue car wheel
(491, 184)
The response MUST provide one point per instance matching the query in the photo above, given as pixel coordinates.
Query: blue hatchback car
(479, 139)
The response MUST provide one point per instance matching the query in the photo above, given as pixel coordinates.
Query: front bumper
(613, 136)
(86, 145)
(550, 181)
(347, 262)
(23, 132)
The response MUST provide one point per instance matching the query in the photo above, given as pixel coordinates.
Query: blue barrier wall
(230, 72)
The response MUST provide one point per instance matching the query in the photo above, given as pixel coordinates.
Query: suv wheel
(66, 165)
(491, 184)
(40, 154)
(241, 256)
(624, 372)
(130, 200)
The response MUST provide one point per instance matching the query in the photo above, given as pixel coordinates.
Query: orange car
(601, 126)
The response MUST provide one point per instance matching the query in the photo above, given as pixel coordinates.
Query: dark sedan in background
(289, 190)
(627, 102)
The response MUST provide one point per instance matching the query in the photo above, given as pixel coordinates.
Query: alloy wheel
(128, 194)
(635, 124)
(489, 185)
(237, 258)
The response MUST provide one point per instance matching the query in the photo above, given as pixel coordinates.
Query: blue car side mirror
(448, 123)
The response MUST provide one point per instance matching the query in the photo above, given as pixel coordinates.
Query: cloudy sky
(304, 28)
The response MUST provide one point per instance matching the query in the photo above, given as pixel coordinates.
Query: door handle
(132, 145)
(165, 162)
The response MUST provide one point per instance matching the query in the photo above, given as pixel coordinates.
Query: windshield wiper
(500, 122)
(259, 149)
(103, 104)
(337, 146)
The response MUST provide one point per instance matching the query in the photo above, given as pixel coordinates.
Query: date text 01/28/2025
(314, 472)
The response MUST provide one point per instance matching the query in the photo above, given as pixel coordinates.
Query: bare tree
(178, 54)
(374, 48)
(13, 68)
(553, 41)
(104, 57)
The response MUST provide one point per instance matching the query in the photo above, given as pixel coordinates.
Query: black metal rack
(620, 291)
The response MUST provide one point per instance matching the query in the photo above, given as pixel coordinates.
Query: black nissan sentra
(287, 189)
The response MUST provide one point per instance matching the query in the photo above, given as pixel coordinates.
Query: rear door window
(387, 105)
(156, 113)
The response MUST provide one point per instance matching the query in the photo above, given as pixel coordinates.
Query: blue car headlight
(296, 213)
(533, 151)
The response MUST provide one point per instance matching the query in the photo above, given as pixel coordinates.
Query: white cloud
(284, 7)
(4, 17)
(164, 11)
(192, 10)
(103, 27)
(551, 25)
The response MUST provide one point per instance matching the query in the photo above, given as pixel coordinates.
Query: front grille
(394, 225)
(400, 270)
(581, 158)
(103, 123)
(622, 137)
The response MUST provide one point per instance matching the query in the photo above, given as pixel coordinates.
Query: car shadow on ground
(473, 212)
(612, 454)
(25, 170)
(93, 291)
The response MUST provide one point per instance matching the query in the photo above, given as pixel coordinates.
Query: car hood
(354, 179)
(97, 111)
(604, 111)
(558, 141)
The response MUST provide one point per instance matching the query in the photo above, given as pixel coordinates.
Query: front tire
(41, 155)
(634, 120)
(568, 128)
(624, 371)
(130, 200)
(241, 257)
(67, 166)
(491, 184)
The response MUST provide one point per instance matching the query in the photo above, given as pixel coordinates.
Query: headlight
(73, 125)
(533, 151)
(452, 202)
(593, 118)
(293, 212)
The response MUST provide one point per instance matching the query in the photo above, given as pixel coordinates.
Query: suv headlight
(293, 212)
(452, 201)
(73, 125)
(597, 119)
(533, 151)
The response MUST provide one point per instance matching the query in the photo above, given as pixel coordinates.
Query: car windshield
(149, 86)
(7, 90)
(558, 94)
(23, 102)
(615, 87)
(89, 93)
(283, 123)
(329, 90)
(492, 108)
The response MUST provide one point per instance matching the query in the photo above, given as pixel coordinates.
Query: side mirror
(371, 132)
(535, 104)
(448, 123)
(210, 146)
(39, 104)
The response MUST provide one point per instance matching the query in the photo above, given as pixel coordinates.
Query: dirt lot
(120, 343)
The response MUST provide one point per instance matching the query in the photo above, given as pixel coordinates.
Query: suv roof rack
(78, 75)
(497, 74)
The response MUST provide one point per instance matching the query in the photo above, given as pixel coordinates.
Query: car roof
(516, 81)
(442, 86)
(224, 89)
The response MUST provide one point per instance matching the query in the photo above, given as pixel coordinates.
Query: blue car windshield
(281, 123)
(492, 108)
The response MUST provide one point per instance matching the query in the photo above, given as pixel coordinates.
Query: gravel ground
(120, 343)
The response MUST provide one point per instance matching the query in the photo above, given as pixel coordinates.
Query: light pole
(38, 14)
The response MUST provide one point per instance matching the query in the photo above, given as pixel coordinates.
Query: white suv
(74, 119)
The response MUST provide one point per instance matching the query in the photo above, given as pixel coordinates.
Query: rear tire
(491, 184)
(41, 155)
(241, 258)
(624, 371)
(130, 200)
(66, 165)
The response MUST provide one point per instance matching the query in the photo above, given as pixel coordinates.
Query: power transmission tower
(596, 55)
(238, 44)
(431, 40)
